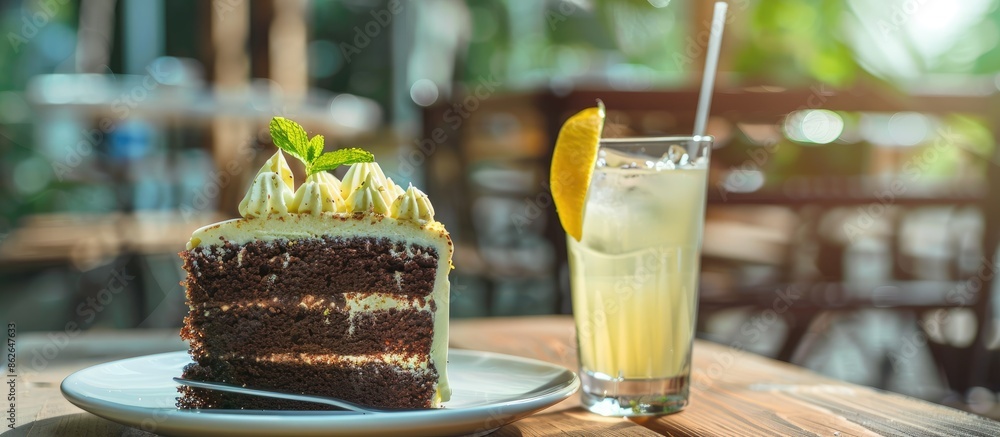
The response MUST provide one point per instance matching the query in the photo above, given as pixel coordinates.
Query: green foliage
(291, 138)
(794, 42)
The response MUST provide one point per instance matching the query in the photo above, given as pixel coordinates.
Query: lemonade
(634, 276)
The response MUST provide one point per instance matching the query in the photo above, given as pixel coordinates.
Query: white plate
(489, 391)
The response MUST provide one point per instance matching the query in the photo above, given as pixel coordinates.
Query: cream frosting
(267, 195)
(370, 196)
(353, 302)
(278, 165)
(365, 189)
(271, 190)
(393, 190)
(365, 204)
(327, 178)
(413, 205)
(404, 362)
(317, 195)
(359, 173)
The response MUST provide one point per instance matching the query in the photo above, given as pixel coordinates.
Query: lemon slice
(573, 165)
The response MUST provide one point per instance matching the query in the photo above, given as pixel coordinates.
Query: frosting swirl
(358, 174)
(365, 189)
(368, 197)
(413, 205)
(277, 164)
(271, 190)
(327, 178)
(317, 195)
(393, 190)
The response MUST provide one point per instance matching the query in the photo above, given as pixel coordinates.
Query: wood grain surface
(733, 393)
(736, 393)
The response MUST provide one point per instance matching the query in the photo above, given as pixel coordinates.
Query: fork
(232, 388)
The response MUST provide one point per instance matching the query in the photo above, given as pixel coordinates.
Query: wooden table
(734, 393)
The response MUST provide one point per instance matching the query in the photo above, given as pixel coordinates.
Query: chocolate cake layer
(374, 384)
(250, 331)
(319, 267)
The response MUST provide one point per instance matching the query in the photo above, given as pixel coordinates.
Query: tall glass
(634, 274)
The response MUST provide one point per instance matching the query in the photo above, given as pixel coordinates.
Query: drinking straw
(711, 63)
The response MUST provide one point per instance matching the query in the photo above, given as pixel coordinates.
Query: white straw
(711, 63)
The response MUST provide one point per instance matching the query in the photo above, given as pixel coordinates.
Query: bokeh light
(817, 126)
(909, 128)
(424, 92)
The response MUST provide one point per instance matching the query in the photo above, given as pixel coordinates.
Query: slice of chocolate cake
(335, 289)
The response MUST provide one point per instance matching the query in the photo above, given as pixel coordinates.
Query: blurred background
(851, 226)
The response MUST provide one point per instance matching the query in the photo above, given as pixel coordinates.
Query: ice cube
(619, 159)
(677, 155)
(664, 164)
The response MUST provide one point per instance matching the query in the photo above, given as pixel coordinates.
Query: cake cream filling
(359, 303)
(367, 302)
(354, 302)
(402, 361)
(332, 224)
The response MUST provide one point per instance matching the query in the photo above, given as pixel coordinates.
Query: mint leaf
(290, 137)
(337, 158)
(315, 148)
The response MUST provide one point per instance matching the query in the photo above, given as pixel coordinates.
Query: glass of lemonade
(634, 273)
